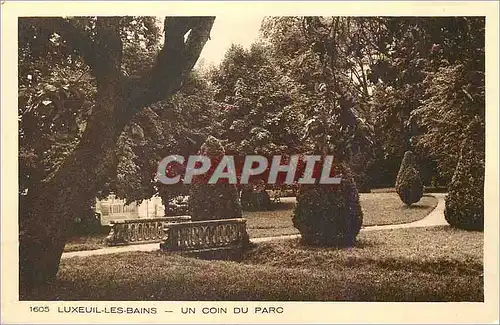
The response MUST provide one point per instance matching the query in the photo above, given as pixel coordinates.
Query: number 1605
(39, 309)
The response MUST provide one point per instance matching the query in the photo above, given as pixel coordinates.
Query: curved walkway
(435, 218)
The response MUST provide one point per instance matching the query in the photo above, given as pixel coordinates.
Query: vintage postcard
(249, 162)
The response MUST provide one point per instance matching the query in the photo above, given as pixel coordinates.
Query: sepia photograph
(249, 158)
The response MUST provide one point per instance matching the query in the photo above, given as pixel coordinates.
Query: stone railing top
(208, 222)
(166, 219)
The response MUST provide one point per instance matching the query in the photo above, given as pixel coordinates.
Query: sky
(227, 30)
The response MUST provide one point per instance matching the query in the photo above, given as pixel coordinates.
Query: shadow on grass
(359, 244)
(282, 206)
(416, 207)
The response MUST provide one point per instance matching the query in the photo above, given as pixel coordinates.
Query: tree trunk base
(38, 264)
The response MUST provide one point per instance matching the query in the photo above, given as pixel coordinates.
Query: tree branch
(108, 48)
(174, 62)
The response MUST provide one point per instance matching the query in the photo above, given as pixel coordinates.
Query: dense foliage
(213, 201)
(260, 111)
(254, 197)
(408, 183)
(465, 199)
(429, 83)
(259, 105)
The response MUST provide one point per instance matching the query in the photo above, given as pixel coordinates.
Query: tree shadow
(280, 206)
(416, 207)
(359, 244)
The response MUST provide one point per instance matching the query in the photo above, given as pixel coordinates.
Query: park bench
(141, 231)
(207, 238)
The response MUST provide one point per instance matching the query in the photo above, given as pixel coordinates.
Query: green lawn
(388, 209)
(85, 243)
(378, 209)
(419, 264)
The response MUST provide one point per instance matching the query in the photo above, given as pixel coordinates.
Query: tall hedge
(329, 215)
(465, 200)
(409, 184)
(213, 201)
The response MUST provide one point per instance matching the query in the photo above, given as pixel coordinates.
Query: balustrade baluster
(234, 232)
(222, 234)
(193, 233)
(162, 230)
(230, 233)
(185, 236)
(203, 233)
(147, 229)
(213, 234)
(196, 237)
(218, 235)
(192, 238)
(125, 233)
(188, 236)
(130, 232)
(156, 234)
(200, 237)
(159, 229)
(223, 231)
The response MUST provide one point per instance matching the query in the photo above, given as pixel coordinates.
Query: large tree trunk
(55, 202)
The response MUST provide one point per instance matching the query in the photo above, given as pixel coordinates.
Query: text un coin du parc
(233, 310)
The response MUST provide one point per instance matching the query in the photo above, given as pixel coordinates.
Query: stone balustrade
(141, 231)
(206, 235)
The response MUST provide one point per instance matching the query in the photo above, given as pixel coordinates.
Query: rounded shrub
(409, 185)
(329, 215)
(465, 200)
(254, 197)
(213, 201)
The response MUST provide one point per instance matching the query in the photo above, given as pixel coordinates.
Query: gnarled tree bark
(43, 227)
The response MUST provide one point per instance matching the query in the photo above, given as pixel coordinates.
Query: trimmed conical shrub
(213, 201)
(329, 215)
(408, 182)
(465, 200)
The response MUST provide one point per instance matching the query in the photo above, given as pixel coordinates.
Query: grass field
(419, 264)
(85, 243)
(378, 209)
